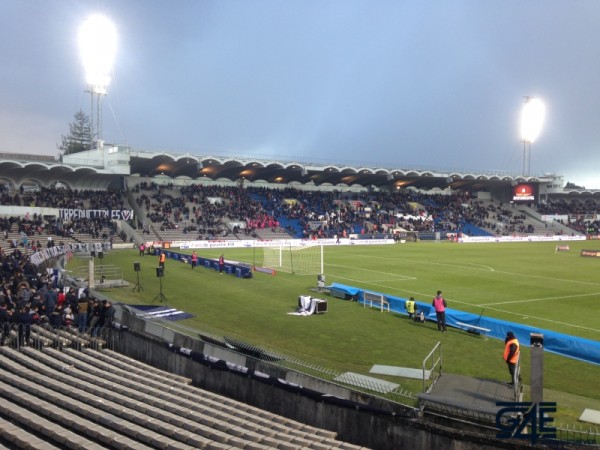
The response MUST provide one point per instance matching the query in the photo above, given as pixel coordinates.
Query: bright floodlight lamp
(532, 119)
(98, 46)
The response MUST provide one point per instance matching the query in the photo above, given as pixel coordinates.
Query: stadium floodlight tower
(532, 119)
(97, 47)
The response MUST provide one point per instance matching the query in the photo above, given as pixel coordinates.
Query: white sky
(425, 84)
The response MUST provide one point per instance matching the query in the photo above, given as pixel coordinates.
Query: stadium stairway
(101, 399)
(473, 230)
(291, 224)
(541, 227)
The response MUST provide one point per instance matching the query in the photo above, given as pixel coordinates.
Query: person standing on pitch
(161, 261)
(221, 264)
(194, 259)
(439, 304)
(511, 354)
(410, 307)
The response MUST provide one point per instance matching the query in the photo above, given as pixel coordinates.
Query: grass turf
(522, 282)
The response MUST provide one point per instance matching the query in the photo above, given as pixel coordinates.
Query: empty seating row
(99, 413)
(124, 362)
(16, 435)
(177, 400)
(19, 405)
(193, 396)
(121, 403)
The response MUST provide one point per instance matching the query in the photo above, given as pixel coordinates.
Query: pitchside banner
(551, 238)
(277, 243)
(112, 214)
(52, 252)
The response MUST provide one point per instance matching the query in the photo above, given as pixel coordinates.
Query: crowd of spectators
(62, 197)
(328, 214)
(582, 216)
(28, 298)
(209, 211)
(33, 232)
(204, 211)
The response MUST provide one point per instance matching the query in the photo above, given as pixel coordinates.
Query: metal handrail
(434, 363)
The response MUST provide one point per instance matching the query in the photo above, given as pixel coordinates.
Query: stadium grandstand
(107, 377)
(167, 193)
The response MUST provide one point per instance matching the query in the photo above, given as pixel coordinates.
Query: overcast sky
(413, 83)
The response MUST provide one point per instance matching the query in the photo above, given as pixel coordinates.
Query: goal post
(298, 259)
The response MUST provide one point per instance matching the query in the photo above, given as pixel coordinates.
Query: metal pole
(526, 158)
(537, 368)
(99, 116)
(91, 91)
(322, 264)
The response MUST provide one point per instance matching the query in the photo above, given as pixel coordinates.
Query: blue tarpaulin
(562, 344)
(352, 291)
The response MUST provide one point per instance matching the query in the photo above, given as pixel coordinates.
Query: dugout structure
(298, 259)
(401, 234)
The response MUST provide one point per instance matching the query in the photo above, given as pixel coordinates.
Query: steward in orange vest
(511, 354)
(161, 261)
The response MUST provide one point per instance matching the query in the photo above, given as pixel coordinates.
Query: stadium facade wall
(357, 418)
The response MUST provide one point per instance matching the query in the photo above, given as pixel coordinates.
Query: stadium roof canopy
(233, 168)
(94, 171)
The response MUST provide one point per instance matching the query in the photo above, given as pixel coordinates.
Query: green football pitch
(527, 283)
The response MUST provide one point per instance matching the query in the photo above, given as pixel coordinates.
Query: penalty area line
(393, 276)
(545, 319)
(539, 299)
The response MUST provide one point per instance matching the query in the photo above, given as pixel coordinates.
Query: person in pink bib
(439, 304)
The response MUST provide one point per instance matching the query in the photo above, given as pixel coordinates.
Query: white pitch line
(549, 278)
(540, 299)
(489, 269)
(546, 320)
(472, 266)
(395, 275)
(435, 263)
(390, 289)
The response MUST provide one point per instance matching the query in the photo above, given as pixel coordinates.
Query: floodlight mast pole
(91, 118)
(526, 157)
(95, 116)
(526, 144)
(98, 119)
(99, 140)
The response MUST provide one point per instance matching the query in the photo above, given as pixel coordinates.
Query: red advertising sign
(524, 192)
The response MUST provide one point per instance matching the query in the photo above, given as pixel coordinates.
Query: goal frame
(290, 253)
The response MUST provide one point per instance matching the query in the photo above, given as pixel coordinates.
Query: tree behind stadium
(79, 138)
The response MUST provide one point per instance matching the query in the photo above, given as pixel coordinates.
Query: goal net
(301, 260)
